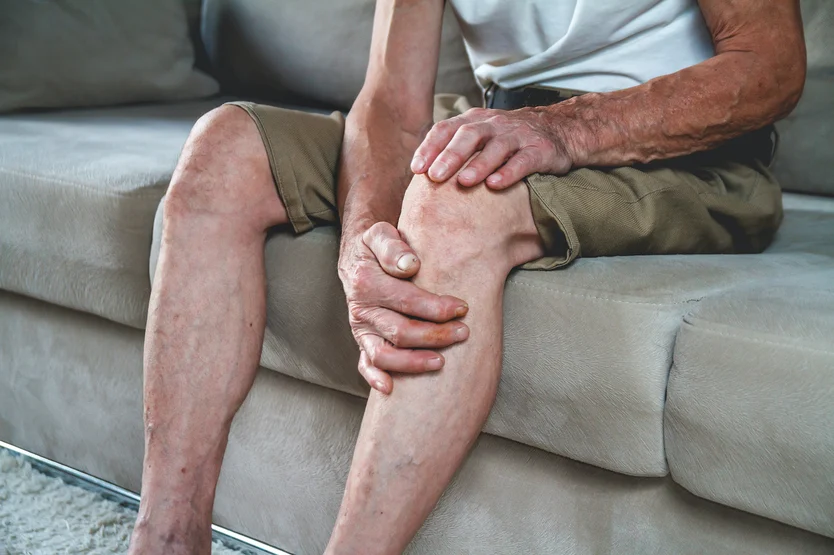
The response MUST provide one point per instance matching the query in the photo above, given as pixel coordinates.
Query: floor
(128, 500)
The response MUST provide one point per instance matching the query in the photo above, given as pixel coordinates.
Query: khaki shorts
(722, 201)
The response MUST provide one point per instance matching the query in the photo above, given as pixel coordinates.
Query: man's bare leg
(205, 326)
(412, 441)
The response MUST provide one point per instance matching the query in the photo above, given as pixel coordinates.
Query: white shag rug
(41, 515)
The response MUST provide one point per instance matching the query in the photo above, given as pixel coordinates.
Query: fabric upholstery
(74, 395)
(804, 162)
(310, 52)
(193, 11)
(587, 349)
(808, 226)
(75, 230)
(78, 191)
(96, 53)
(750, 419)
(72, 388)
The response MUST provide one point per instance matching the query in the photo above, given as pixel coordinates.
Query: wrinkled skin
(755, 78)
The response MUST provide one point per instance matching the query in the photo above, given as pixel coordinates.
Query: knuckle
(452, 157)
(380, 228)
(362, 278)
(356, 314)
(403, 306)
(395, 334)
(524, 159)
(368, 236)
(534, 155)
(469, 130)
(375, 355)
(375, 233)
(539, 142)
(365, 343)
(434, 310)
(443, 127)
(443, 308)
(497, 119)
(503, 143)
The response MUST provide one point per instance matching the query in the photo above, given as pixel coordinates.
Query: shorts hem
(556, 230)
(285, 185)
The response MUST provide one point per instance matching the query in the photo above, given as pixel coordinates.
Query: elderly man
(665, 152)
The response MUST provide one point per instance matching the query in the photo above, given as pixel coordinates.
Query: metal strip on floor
(130, 500)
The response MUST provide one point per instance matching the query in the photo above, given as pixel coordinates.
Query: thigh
(303, 150)
(677, 207)
(721, 201)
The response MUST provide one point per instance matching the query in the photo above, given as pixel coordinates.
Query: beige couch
(672, 405)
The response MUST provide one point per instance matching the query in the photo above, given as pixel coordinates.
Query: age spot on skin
(435, 336)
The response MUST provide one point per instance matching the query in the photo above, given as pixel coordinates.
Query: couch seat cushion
(750, 417)
(588, 349)
(78, 192)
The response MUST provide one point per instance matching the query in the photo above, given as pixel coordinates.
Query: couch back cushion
(805, 160)
(310, 52)
(96, 53)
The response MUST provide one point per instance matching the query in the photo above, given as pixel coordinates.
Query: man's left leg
(412, 441)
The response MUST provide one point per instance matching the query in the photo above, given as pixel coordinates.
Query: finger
(376, 378)
(407, 333)
(494, 154)
(468, 139)
(410, 300)
(393, 254)
(526, 161)
(391, 359)
(371, 288)
(434, 143)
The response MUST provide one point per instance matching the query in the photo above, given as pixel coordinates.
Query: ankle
(187, 504)
(171, 534)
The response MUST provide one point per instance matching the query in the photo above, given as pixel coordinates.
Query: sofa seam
(797, 346)
(601, 298)
(78, 185)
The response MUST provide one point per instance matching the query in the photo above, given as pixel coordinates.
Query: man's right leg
(205, 325)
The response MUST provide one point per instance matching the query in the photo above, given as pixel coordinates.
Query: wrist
(576, 132)
(353, 227)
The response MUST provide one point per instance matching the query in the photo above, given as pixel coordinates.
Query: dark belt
(499, 98)
(759, 144)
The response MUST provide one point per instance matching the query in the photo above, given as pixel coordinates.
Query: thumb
(393, 254)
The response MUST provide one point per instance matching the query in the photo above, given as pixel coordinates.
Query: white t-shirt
(587, 45)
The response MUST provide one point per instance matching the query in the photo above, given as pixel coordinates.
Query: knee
(464, 226)
(222, 158)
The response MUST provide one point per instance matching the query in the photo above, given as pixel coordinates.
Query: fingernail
(417, 164)
(494, 179)
(435, 363)
(461, 333)
(406, 262)
(438, 171)
(461, 311)
(467, 175)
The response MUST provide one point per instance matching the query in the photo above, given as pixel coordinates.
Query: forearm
(755, 78)
(692, 110)
(374, 165)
